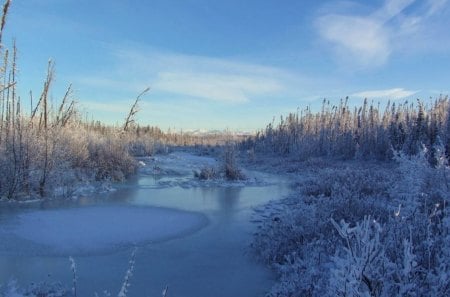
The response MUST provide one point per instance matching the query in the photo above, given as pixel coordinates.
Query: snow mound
(94, 229)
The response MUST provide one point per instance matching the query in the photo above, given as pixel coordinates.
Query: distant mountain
(204, 132)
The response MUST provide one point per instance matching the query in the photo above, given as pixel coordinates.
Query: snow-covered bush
(421, 195)
(142, 147)
(359, 266)
(206, 173)
(109, 158)
(393, 239)
(227, 170)
(230, 168)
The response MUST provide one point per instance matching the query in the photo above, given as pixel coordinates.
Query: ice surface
(176, 164)
(94, 229)
(177, 170)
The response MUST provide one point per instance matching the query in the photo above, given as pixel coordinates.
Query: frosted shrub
(359, 266)
(231, 170)
(228, 168)
(413, 171)
(206, 173)
(110, 159)
(406, 273)
(8, 182)
(421, 196)
(292, 238)
(73, 146)
(301, 277)
(289, 228)
(393, 239)
(359, 182)
(297, 236)
(442, 270)
(142, 147)
(348, 193)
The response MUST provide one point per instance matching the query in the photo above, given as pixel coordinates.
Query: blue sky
(230, 64)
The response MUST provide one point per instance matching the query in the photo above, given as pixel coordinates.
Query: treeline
(363, 132)
(171, 138)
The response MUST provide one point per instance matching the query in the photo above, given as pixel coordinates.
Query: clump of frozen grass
(73, 268)
(164, 292)
(228, 170)
(126, 281)
(231, 170)
(206, 173)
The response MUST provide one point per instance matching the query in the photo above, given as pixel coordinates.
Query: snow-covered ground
(358, 228)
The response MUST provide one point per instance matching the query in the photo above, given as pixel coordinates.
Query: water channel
(195, 240)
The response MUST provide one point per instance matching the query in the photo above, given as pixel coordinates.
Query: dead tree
(134, 109)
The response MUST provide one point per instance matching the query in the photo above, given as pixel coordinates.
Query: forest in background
(363, 133)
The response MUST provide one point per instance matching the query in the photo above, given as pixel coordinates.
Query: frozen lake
(191, 237)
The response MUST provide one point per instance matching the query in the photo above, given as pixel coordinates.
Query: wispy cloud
(222, 87)
(199, 77)
(363, 39)
(368, 40)
(395, 93)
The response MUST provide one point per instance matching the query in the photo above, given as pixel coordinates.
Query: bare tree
(134, 109)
